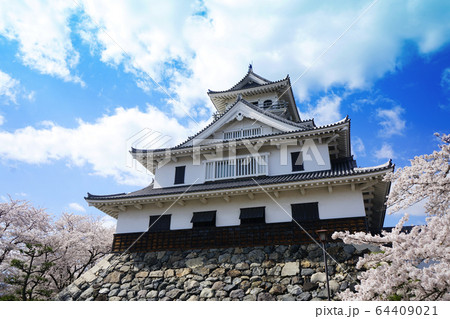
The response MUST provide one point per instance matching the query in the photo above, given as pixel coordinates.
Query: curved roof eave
(212, 93)
(336, 173)
(249, 74)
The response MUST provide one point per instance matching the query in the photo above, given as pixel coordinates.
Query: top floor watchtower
(271, 96)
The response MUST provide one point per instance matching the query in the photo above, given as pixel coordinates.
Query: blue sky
(79, 79)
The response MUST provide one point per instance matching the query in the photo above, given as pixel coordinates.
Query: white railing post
(241, 166)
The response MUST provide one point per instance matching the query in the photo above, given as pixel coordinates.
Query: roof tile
(339, 168)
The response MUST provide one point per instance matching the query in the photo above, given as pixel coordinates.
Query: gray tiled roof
(250, 71)
(303, 126)
(339, 168)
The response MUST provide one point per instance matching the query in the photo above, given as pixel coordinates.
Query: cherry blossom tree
(30, 281)
(426, 178)
(20, 223)
(414, 265)
(39, 257)
(79, 241)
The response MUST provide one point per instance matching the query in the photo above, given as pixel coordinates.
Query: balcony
(240, 166)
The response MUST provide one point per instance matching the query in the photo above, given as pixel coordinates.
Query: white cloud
(102, 145)
(358, 147)
(445, 84)
(326, 111)
(391, 121)
(2, 120)
(21, 194)
(195, 46)
(385, 152)
(388, 113)
(445, 79)
(108, 222)
(9, 88)
(279, 38)
(77, 207)
(30, 96)
(42, 32)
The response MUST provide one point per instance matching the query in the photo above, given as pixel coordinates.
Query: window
(245, 132)
(204, 219)
(179, 174)
(297, 161)
(159, 223)
(253, 215)
(255, 103)
(267, 103)
(305, 212)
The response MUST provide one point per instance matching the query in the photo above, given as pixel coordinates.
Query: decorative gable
(244, 120)
(242, 127)
(250, 80)
(272, 96)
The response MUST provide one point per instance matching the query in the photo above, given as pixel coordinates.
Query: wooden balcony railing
(240, 166)
(233, 236)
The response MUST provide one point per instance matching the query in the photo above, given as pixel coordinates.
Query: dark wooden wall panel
(233, 236)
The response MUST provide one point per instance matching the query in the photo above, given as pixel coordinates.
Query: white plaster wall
(134, 220)
(194, 174)
(280, 159)
(279, 163)
(341, 203)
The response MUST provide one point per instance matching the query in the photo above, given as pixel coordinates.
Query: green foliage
(9, 297)
(30, 276)
(40, 257)
(395, 297)
(376, 252)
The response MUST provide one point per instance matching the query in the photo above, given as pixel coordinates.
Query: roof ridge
(89, 195)
(388, 164)
(135, 150)
(233, 88)
(150, 186)
(210, 124)
(250, 71)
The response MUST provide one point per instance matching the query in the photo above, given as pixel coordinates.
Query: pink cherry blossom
(75, 243)
(415, 265)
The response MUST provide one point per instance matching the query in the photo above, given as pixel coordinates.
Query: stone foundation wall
(258, 273)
